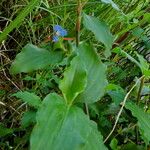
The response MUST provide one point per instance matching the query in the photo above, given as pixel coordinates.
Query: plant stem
(121, 109)
(78, 22)
(138, 102)
(140, 90)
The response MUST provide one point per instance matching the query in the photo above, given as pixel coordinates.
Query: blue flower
(59, 32)
(55, 38)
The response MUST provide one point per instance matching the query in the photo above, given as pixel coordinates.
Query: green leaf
(16, 23)
(30, 98)
(138, 32)
(74, 81)
(132, 146)
(130, 58)
(4, 131)
(147, 17)
(2, 92)
(114, 5)
(143, 120)
(100, 30)
(114, 144)
(96, 74)
(144, 65)
(33, 58)
(62, 127)
(28, 118)
(116, 93)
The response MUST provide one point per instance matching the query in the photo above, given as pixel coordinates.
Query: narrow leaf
(16, 23)
(100, 30)
(114, 5)
(96, 74)
(30, 98)
(62, 127)
(74, 81)
(144, 65)
(33, 58)
(5, 131)
(143, 120)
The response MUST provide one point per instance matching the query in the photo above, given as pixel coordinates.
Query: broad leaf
(143, 120)
(30, 98)
(32, 58)
(116, 93)
(96, 74)
(74, 81)
(62, 127)
(100, 30)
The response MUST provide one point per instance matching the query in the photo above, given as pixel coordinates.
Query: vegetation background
(100, 70)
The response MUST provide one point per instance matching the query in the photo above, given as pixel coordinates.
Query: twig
(78, 22)
(1, 103)
(10, 80)
(140, 90)
(121, 109)
(87, 110)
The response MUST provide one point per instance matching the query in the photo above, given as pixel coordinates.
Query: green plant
(77, 93)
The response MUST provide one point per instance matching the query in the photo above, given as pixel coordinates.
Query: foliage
(82, 88)
(38, 58)
(64, 121)
(143, 120)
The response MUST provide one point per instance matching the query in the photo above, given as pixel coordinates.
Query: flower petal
(57, 28)
(55, 38)
(63, 32)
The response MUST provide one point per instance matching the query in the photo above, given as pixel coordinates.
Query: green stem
(138, 101)
(140, 90)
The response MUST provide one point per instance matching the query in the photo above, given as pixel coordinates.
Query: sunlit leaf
(147, 17)
(62, 127)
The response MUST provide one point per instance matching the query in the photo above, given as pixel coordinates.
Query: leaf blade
(33, 58)
(74, 81)
(100, 30)
(30, 98)
(96, 75)
(61, 121)
(143, 120)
